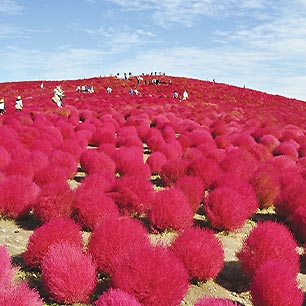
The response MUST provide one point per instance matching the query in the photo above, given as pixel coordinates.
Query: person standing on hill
(185, 95)
(18, 104)
(58, 96)
(2, 107)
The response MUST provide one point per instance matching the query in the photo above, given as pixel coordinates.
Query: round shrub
(68, 274)
(102, 180)
(54, 231)
(274, 284)
(7, 271)
(129, 161)
(64, 160)
(20, 167)
(104, 135)
(193, 189)
(270, 141)
(18, 194)
(50, 174)
(93, 206)
(227, 209)
(39, 161)
(200, 251)
(20, 295)
(154, 276)
(266, 185)
(171, 209)
(173, 170)
(206, 169)
(54, 200)
(133, 194)
(269, 241)
(286, 148)
(116, 297)
(156, 160)
(113, 239)
(5, 157)
(240, 162)
(212, 301)
(93, 161)
(291, 197)
(298, 223)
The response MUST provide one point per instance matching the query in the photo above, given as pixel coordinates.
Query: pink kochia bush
(20, 295)
(18, 194)
(171, 209)
(112, 240)
(193, 189)
(227, 208)
(266, 185)
(206, 169)
(211, 301)
(54, 200)
(274, 284)
(93, 206)
(116, 297)
(55, 231)
(200, 251)
(269, 241)
(155, 276)
(173, 170)
(156, 160)
(93, 161)
(68, 274)
(7, 271)
(133, 194)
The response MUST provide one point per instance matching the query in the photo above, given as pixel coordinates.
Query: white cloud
(10, 7)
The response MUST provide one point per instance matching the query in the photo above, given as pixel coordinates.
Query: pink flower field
(146, 199)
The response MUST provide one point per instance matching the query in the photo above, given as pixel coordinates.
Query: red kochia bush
(173, 170)
(93, 206)
(171, 209)
(113, 239)
(17, 194)
(193, 189)
(206, 169)
(200, 251)
(211, 301)
(68, 274)
(20, 295)
(266, 185)
(50, 174)
(93, 161)
(133, 194)
(54, 200)
(116, 297)
(239, 162)
(156, 160)
(226, 208)
(298, 223)
(274, 284)
(287, 148)
(5, 158)
(7, 271)
(155, 276)
(19, 167)
(57, 230)
(129, 161)
(269, 241)
(64, 160)
(102, 180)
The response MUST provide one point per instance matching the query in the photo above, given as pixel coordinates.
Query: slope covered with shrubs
(124, 167)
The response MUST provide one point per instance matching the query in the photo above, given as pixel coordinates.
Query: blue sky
(260, 43)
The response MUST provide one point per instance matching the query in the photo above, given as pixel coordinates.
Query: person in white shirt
(2, 107)
(185, 95)
(18, 104)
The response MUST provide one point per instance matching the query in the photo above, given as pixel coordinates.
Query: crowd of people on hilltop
(85, 88)
(58, 92)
